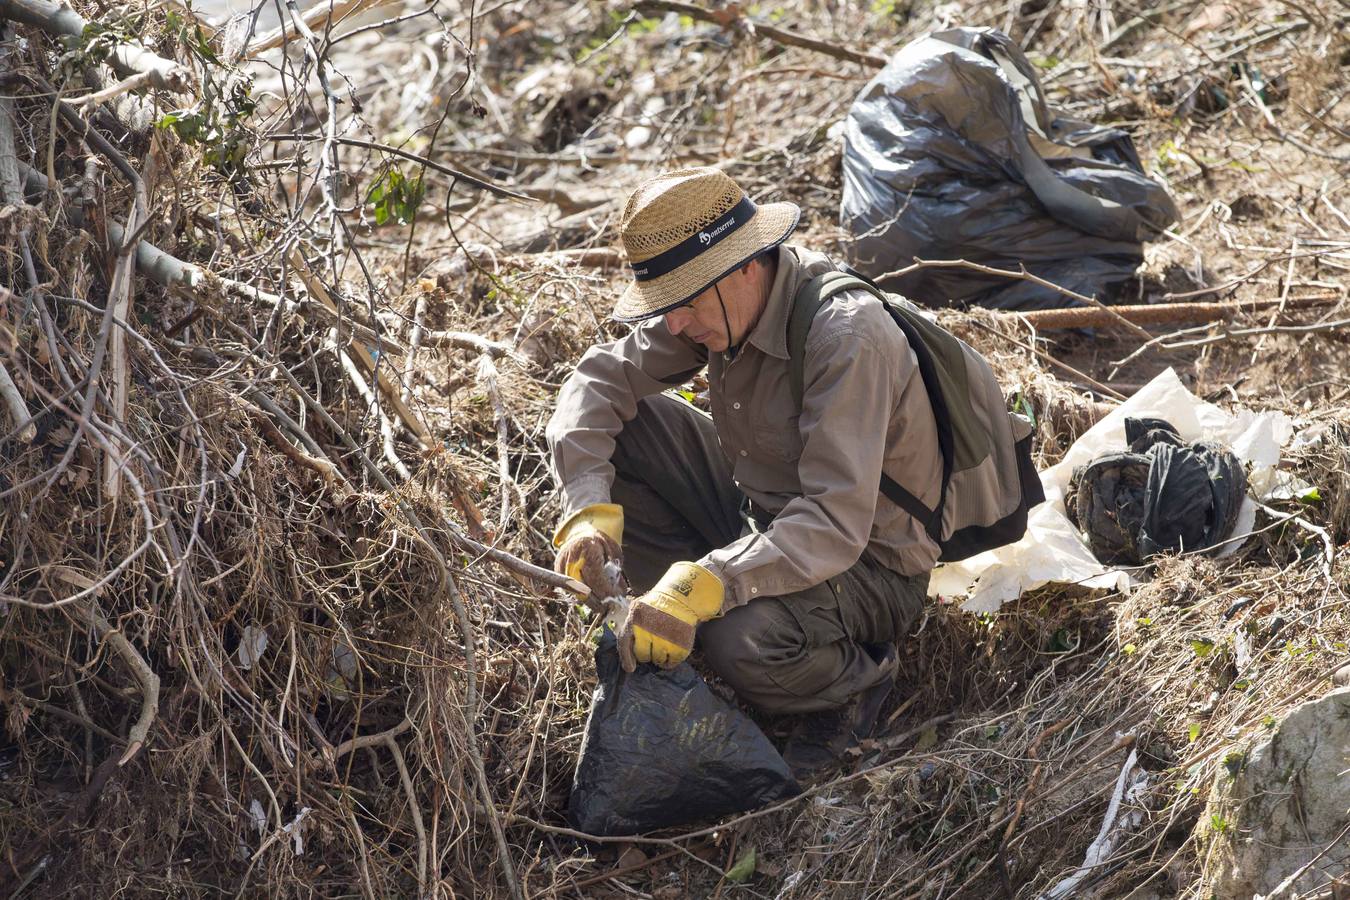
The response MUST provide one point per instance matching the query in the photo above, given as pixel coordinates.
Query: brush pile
(282, 313)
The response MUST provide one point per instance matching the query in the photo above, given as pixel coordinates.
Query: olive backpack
(989, 481)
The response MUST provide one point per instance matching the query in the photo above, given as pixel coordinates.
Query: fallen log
(1156, 314)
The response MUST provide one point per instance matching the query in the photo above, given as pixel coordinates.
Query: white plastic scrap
(251, 646)
(1129, 786)
(789, 883)
(1052, 551)
(257, 816)
(293, 829)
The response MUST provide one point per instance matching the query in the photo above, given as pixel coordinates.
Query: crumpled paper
(1052, 551)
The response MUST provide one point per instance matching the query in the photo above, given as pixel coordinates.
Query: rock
(1279, 802)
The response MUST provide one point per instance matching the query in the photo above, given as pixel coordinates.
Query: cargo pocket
(878, 605)
(816, 614)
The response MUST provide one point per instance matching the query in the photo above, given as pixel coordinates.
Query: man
(759, 532)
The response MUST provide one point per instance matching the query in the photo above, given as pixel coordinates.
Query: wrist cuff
(694, 587)
(602, 518)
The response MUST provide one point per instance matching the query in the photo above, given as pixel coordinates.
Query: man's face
(701, 319)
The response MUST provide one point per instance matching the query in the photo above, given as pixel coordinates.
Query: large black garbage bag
(1162, 495)
(661, 751)
(952, 153)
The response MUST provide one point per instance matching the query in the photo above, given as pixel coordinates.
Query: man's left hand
(661, 623)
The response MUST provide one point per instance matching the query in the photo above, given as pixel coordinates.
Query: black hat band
(716, 231)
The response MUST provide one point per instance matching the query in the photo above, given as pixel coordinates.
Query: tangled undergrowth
(275, 498)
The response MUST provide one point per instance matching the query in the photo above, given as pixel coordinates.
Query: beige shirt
(864, 411)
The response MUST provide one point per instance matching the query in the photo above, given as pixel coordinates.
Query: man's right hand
(588, 540)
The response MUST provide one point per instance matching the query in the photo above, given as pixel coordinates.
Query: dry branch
(139, 732)
(1154, 314)
(466, 341)
(368, 362)
(126, 59)
(1020, 275)
(318, 17)
(456, 174)
(733, 15)
(18, 410)
(170, 271)
(119, 301)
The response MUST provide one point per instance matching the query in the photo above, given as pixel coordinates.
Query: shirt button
(743, 453)
(754, 590)
(736, 405)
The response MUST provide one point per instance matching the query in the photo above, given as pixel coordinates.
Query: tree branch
(733, 15)
(126, 59)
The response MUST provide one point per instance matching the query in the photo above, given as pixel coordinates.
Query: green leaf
(1203, 647)
(395, 197)
(1193, 732)
(1313, 495)
(744, 868)
(1129, 649)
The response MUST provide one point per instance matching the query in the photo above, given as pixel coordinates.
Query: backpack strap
(808, 301)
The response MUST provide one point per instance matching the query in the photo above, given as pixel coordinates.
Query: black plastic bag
(1163, 495)
(661, 751)
(952, 153)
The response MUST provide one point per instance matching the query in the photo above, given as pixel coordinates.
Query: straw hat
(684, 230)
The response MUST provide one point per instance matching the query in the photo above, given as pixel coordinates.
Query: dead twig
(457, 175)
(466, 341)
(18, 410)
(381, 372)
(733, 15)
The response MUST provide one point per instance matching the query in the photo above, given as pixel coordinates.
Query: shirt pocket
(778, 439)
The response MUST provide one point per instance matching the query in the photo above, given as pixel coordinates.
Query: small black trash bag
(1162, 495)
(952, 153)
(661, 751)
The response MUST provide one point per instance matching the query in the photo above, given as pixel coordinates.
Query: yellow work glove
(661, 623)
(587, 540)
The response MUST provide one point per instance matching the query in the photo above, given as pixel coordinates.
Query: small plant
(395, 197)
(1203, 647)
(216, 121)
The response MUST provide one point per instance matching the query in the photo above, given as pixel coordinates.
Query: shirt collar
(770, 332)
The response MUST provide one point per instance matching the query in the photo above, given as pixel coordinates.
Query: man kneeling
(761, 532)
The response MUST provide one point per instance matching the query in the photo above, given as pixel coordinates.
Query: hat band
(717, 231)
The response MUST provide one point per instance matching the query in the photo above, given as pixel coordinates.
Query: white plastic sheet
(1052, 551)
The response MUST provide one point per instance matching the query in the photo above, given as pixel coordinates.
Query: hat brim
(769, 227)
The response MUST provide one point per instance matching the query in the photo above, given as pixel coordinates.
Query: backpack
(989, 481)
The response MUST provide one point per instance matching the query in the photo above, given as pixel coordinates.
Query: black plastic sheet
(1161, 496)
(952, 153)
(660, 751)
